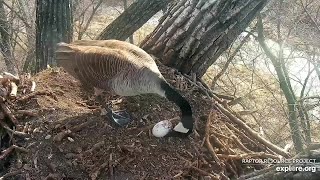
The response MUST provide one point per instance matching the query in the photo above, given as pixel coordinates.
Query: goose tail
(64, 57)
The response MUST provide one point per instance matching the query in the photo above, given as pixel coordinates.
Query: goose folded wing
(92, 65)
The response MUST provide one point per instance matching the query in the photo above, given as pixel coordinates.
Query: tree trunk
(5, 45)
(53, 25)
(194, 33)
(286, 88)
(132, 19)
(125, 5)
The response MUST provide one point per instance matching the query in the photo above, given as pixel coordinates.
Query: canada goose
(121, 68)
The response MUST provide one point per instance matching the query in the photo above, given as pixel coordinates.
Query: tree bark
(125, 5)
(132, 19)
(194, 33)
(53, 25)
(5, 44)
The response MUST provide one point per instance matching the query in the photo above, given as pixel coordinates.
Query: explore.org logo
(285, 165)
(278, 161)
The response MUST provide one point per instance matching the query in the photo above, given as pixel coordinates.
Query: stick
(9, 174)
(63, 134)
(14, 90)
(33, 86)
(32, 95)
(8, 112)
(254, 134)
(17, 133)
(11, 77)
(247, 155)
(30, 113)
(111, 167)
(207, 141)
(204, 173)
(7, 151)
(95, 175)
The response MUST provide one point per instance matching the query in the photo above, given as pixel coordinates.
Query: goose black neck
(181, 102)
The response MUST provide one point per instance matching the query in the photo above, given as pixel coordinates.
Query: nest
(56, 131)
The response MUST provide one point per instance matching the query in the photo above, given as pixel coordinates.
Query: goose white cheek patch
(179, 128)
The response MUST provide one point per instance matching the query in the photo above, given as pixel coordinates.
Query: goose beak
(179, 131)
(179, 128)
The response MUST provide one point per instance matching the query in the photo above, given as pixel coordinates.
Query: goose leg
(120, 117)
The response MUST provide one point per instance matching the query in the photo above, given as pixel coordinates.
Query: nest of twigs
(219, 144)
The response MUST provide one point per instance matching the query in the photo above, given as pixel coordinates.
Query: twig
(17, 133)
(244, 136)
(95, 175)
(8, 112)
(95, 147)
(11, 77)
(33, 86)
(63, 134)
(204, 173)
(80, 126)
(246, 155)
(7, 151)
(111, 167)
(30, 113)
(9, 174)
(252, 133)
(32, 95)
(178, 175)
(207, 141)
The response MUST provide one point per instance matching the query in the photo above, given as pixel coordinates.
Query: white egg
(162, 128)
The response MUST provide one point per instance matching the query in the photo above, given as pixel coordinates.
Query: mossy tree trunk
(53, 25)
(137, 14)
(194, 33)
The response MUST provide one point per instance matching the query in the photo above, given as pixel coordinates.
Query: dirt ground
(98, 149)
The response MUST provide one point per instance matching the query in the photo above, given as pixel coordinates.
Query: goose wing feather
(92, 65)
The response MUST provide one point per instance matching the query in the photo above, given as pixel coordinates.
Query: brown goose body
(121, 68)
(111, 65)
